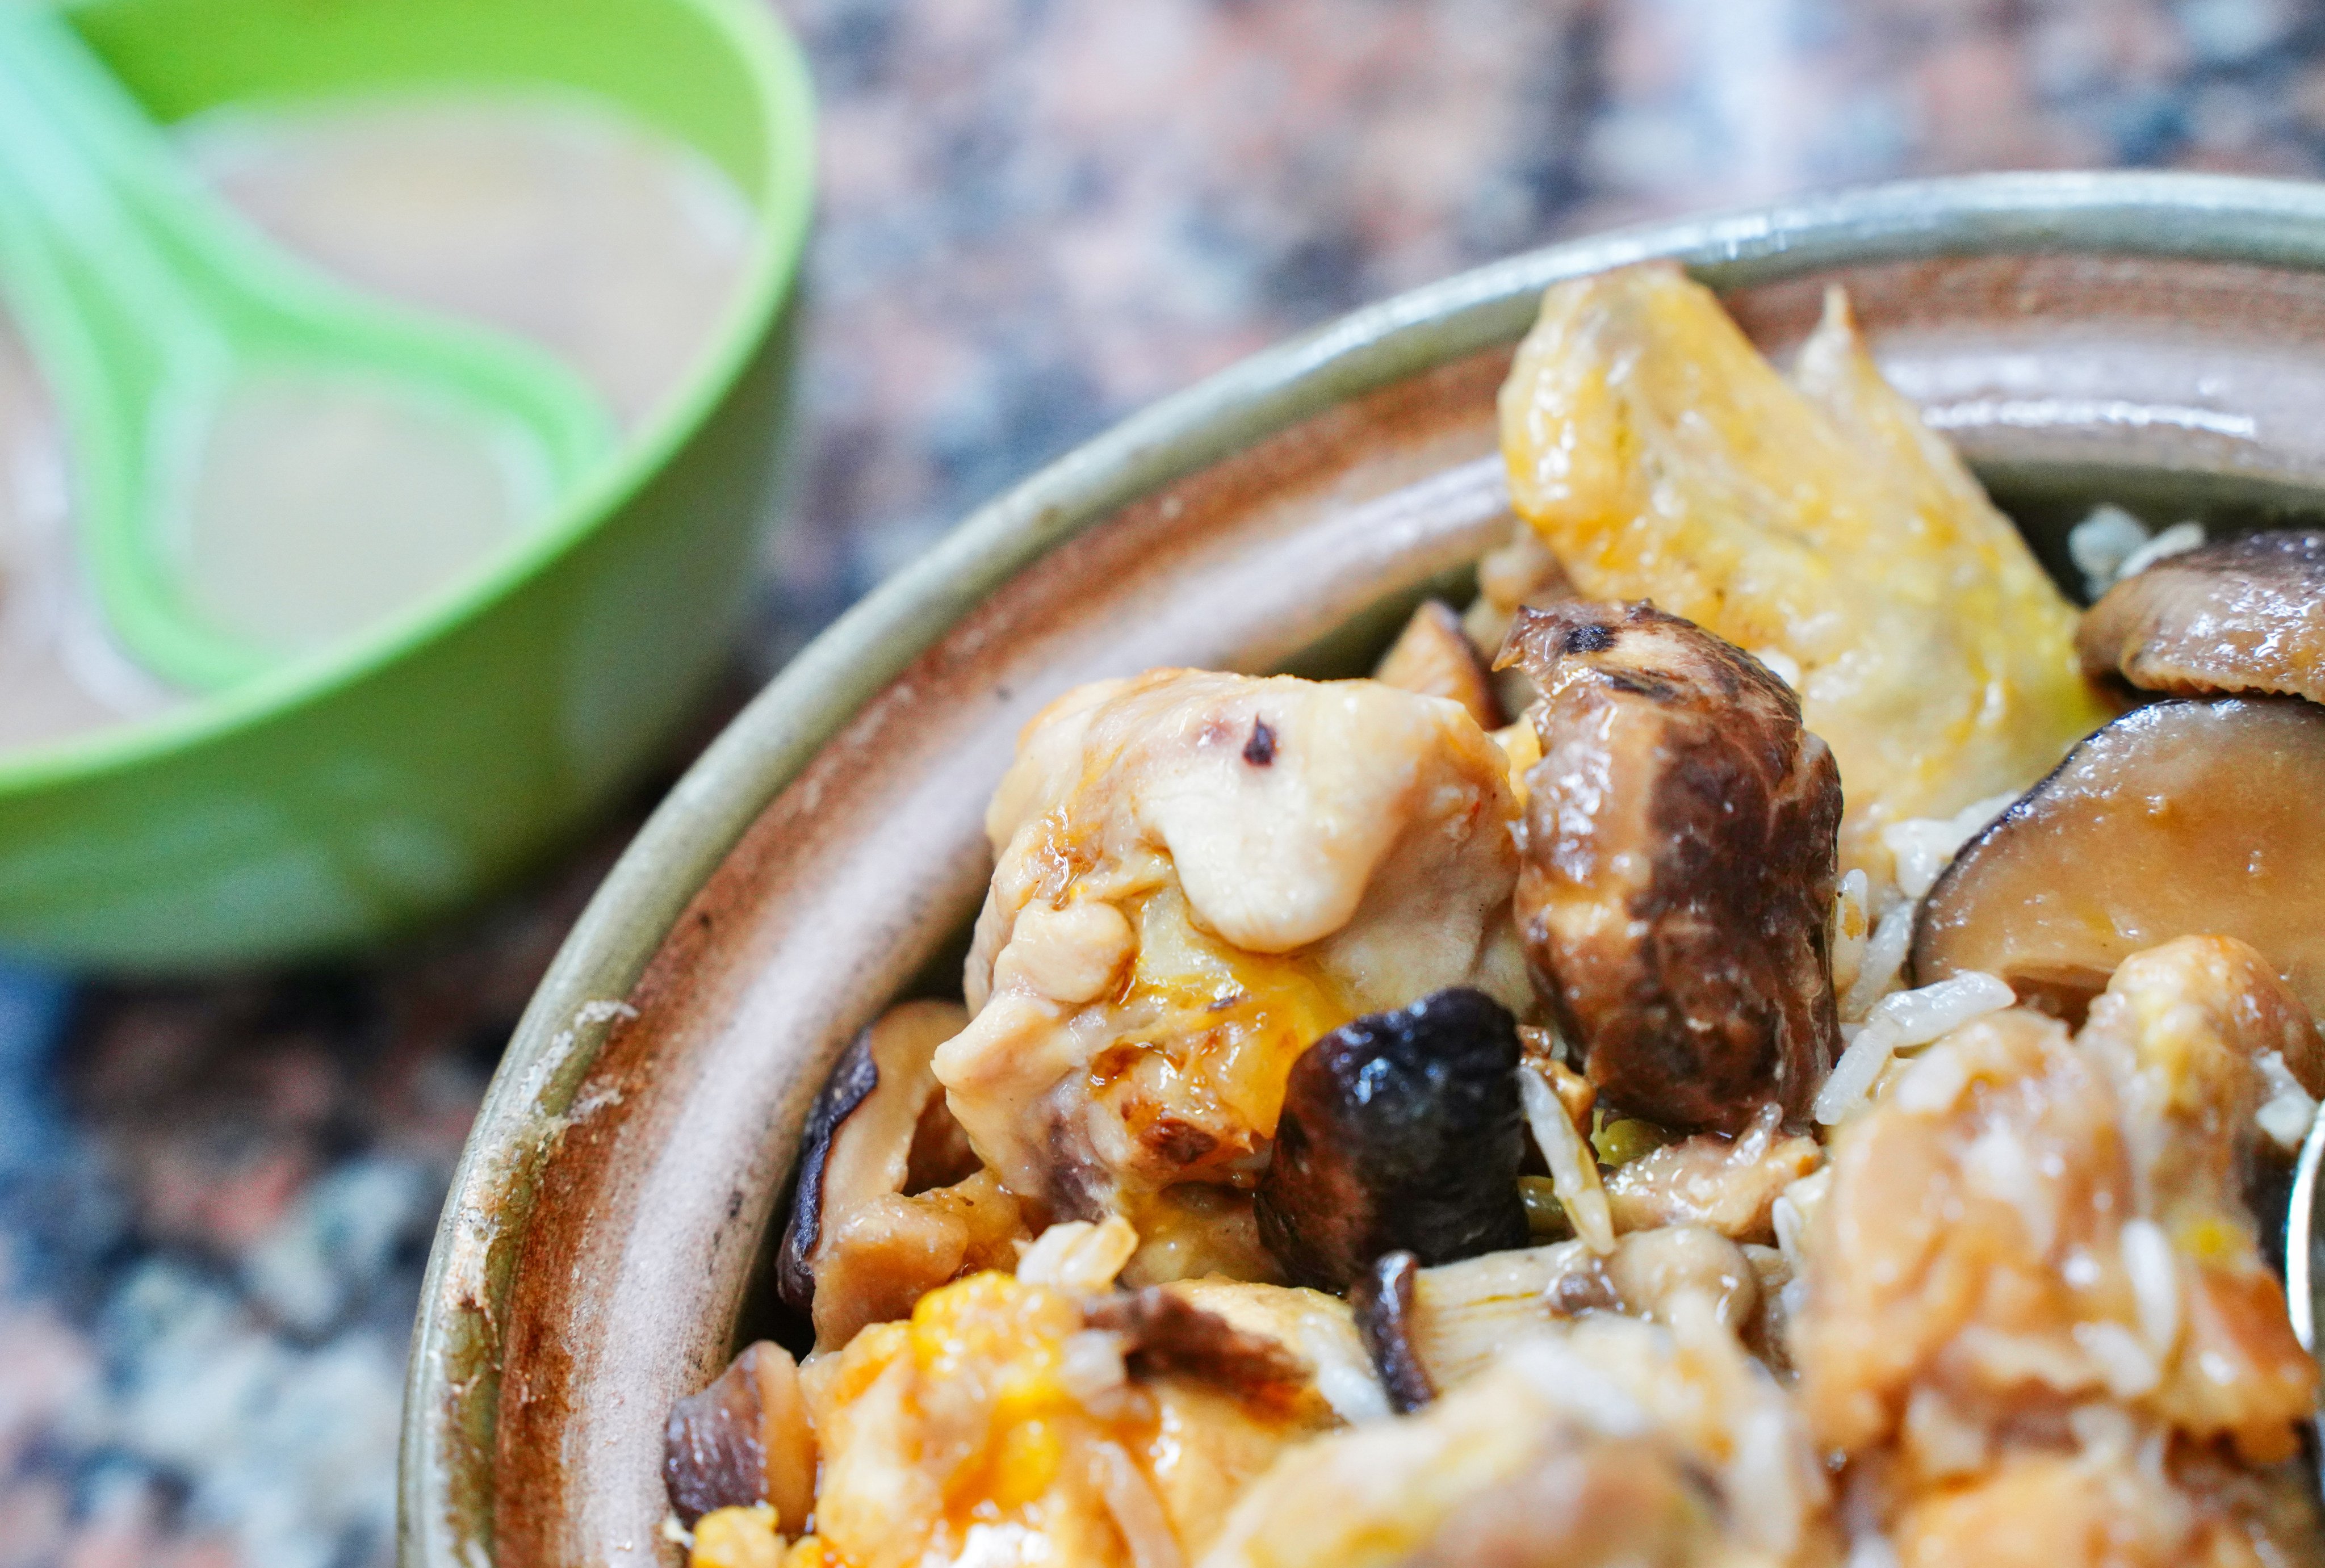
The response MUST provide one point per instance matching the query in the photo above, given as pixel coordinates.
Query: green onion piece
(1545, 1215)
(1621, 1141)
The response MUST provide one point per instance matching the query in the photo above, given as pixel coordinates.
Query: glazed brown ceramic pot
(2158, 340)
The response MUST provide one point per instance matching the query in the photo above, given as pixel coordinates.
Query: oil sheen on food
(322, 505)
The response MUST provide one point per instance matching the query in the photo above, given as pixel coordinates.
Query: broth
(323, 504)
(320, 506)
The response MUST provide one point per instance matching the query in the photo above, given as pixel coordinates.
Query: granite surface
(215, 1195)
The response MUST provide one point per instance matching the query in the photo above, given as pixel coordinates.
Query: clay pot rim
(2191, 217)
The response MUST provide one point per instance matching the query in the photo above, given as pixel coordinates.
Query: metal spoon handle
(2300, 1273)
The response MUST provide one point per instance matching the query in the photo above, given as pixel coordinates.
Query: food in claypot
(1371, 1138)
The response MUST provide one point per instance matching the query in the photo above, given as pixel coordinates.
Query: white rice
(2123, 1362)
(2285, 1114)
(2111, 544)
(2177, 540)
(1077, 1256)
(1884, 961)
(1900, 1022)
(1090, 1368)
(2101, 544)
(1852, 925)
(1780, 664)
(1926, 846)
(2147, 1259)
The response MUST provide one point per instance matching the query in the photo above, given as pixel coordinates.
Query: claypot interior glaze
(2150, 339)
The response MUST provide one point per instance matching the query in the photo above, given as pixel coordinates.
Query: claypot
(2154, 340)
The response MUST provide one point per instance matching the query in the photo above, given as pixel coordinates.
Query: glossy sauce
(321, 505)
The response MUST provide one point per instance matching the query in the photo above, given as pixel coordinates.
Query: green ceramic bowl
(356, 795)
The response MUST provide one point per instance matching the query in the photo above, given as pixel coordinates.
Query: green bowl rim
(2196, 217)
(784, 199)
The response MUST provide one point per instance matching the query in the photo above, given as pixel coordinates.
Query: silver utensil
(2300, 1271)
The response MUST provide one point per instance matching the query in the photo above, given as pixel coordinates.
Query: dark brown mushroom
(2183, 817)
(1680, 851)
(1382, 1300)
(1434, 656)
(2240, 615)
(743, 1439)
(877, 1134)
(1166, 1335)
(1399, 1131)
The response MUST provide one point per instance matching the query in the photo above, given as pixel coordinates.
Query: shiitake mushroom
(743, 1439)
(1163, 1334)
(1382, 1300)
(2242, 614)
(1680, 855)
(2181, 818)
(1400, 1131)
(878, 1131)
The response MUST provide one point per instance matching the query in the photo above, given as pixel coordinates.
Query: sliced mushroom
(1382, 1298)
(2182, 817)
(1164, 1334)
(2240, 615)
(1433, 656)
(1465, 1314)
(743, 1439)
(861, 1227)
(1679, 865)
(1400, 1130)
(1317, 1330)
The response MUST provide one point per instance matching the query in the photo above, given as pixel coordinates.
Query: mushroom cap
(1401, 1130)
(1677, 873)
(2240, 615)
(2182, 818)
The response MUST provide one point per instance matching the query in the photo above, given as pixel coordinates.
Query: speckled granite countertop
(216, 1197)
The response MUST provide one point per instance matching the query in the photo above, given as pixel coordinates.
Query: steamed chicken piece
(1607, 1442)
(1198, 875)
(1434, 656)
(2110, 1502)
(1678, 870)
(1013, 1421)
(1663, 458)
(2183, 1029)
(2026, 1224)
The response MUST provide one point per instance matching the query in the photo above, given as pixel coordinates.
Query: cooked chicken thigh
(1199, 874)
(1661, 458)
(2027, 1224)
(1016, 1421)
(1609, 1442)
